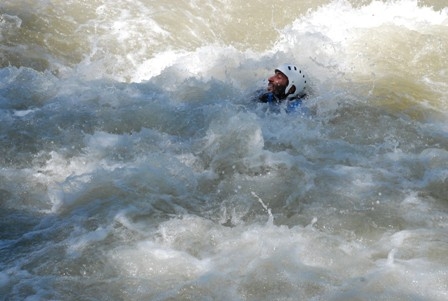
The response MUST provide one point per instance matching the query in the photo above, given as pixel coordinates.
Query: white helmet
(295, 78)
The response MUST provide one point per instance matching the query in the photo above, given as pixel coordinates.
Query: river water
(134, 165)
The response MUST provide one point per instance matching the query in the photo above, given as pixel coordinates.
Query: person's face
(277, 83)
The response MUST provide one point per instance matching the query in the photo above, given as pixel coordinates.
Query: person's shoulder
(298, 105)
(266, 97)
(262, 96)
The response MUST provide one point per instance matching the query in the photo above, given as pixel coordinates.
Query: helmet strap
(291, 90)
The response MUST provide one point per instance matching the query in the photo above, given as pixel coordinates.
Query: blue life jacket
(293, 105)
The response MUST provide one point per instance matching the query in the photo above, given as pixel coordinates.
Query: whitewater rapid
(135, 166)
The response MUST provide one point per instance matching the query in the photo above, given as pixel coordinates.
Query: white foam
(81, 241)
(166, 183)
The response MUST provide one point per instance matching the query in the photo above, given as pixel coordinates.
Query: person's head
(287, 82)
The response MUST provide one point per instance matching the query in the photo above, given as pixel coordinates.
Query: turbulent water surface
(135, 166)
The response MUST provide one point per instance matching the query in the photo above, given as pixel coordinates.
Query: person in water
(286, 86)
